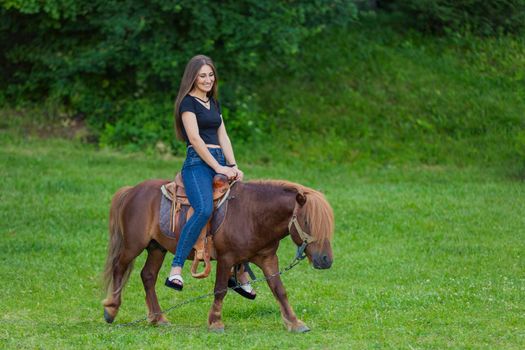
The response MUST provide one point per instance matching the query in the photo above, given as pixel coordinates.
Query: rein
(294, 262)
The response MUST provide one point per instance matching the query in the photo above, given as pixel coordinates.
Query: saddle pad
(203, 247)
(164, 218)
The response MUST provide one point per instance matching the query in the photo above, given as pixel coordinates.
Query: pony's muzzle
(322, 261)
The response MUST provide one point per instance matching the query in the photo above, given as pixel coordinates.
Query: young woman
(198, 122)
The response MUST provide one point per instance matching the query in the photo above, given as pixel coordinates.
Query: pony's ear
(300, 198)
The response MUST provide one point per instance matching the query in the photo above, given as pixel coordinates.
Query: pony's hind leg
(149, 275)
(270, 267)
(121, 272)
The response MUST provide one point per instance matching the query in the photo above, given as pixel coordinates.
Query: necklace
(201, 99)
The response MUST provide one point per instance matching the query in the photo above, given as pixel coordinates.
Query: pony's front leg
(270, 267)
(221, 286)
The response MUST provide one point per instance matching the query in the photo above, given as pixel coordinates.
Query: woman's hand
(230, 173)
(240, 174)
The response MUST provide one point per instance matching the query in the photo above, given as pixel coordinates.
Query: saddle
(180, 211)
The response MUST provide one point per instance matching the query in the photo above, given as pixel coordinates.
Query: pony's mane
(317, 209)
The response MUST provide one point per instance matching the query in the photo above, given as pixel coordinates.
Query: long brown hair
(187, 84)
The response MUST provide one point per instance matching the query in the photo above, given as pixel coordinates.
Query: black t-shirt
(208, 120)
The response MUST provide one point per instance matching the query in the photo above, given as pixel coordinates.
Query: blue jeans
(198, 183)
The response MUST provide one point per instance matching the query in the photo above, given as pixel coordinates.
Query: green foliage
(376, 94)
(483, 17)
(55, 9)
(143, 125)
(97, 56)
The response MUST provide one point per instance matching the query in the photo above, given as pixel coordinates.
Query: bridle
(305, 237)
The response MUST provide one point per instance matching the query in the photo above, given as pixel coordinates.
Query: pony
(259, 214)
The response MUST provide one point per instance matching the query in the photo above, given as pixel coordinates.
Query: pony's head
(315, 218)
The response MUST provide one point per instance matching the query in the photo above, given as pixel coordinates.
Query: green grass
(425, 257)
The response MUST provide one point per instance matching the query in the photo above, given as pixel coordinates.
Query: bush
(96, 57)
(481, 17)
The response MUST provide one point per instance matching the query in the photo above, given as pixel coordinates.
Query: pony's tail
(115, 245)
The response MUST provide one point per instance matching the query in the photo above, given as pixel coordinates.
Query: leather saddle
(181, 210)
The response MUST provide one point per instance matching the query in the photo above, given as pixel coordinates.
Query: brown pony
(259, 215)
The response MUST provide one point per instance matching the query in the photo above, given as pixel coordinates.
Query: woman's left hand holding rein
(240, 174)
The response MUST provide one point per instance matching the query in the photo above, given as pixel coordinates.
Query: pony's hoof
(164, 323)
(301, 329)
(297, 327)
(108, 317)
(217, 327)
(160, 322)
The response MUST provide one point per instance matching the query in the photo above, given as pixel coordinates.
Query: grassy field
(425, 257)
(385, 95)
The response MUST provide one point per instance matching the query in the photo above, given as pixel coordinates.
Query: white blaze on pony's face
(205, 79)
